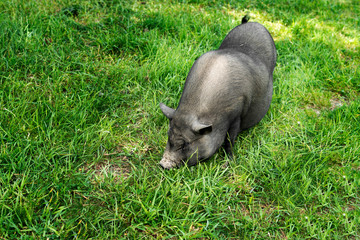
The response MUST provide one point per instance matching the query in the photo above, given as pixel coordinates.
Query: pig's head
(189, 141)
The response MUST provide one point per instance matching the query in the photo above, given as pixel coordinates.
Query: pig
(227, 90)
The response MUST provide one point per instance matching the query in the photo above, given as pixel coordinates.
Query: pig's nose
(166, 164)
(162, 166)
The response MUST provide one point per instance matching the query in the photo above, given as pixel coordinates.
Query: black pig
(226, 91)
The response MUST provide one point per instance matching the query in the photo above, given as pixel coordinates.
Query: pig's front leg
(231, 136)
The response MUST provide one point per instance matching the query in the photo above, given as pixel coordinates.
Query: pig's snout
(166, 164)
(168, 161)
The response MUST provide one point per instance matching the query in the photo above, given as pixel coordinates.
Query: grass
(81, 132)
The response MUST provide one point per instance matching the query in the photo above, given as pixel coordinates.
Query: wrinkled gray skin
(227, 90)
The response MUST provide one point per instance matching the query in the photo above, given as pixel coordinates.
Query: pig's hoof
(225, 165)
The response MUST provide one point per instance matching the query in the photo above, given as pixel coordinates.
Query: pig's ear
(202, 128)
(167, 111)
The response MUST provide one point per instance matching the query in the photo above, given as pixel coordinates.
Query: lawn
(81, 132)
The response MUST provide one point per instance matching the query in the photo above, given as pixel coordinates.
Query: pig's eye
(182, 145)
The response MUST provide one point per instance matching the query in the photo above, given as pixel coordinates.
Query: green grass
(81, 132)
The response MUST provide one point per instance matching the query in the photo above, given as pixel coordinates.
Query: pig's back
(254, 40)
(224, 84)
